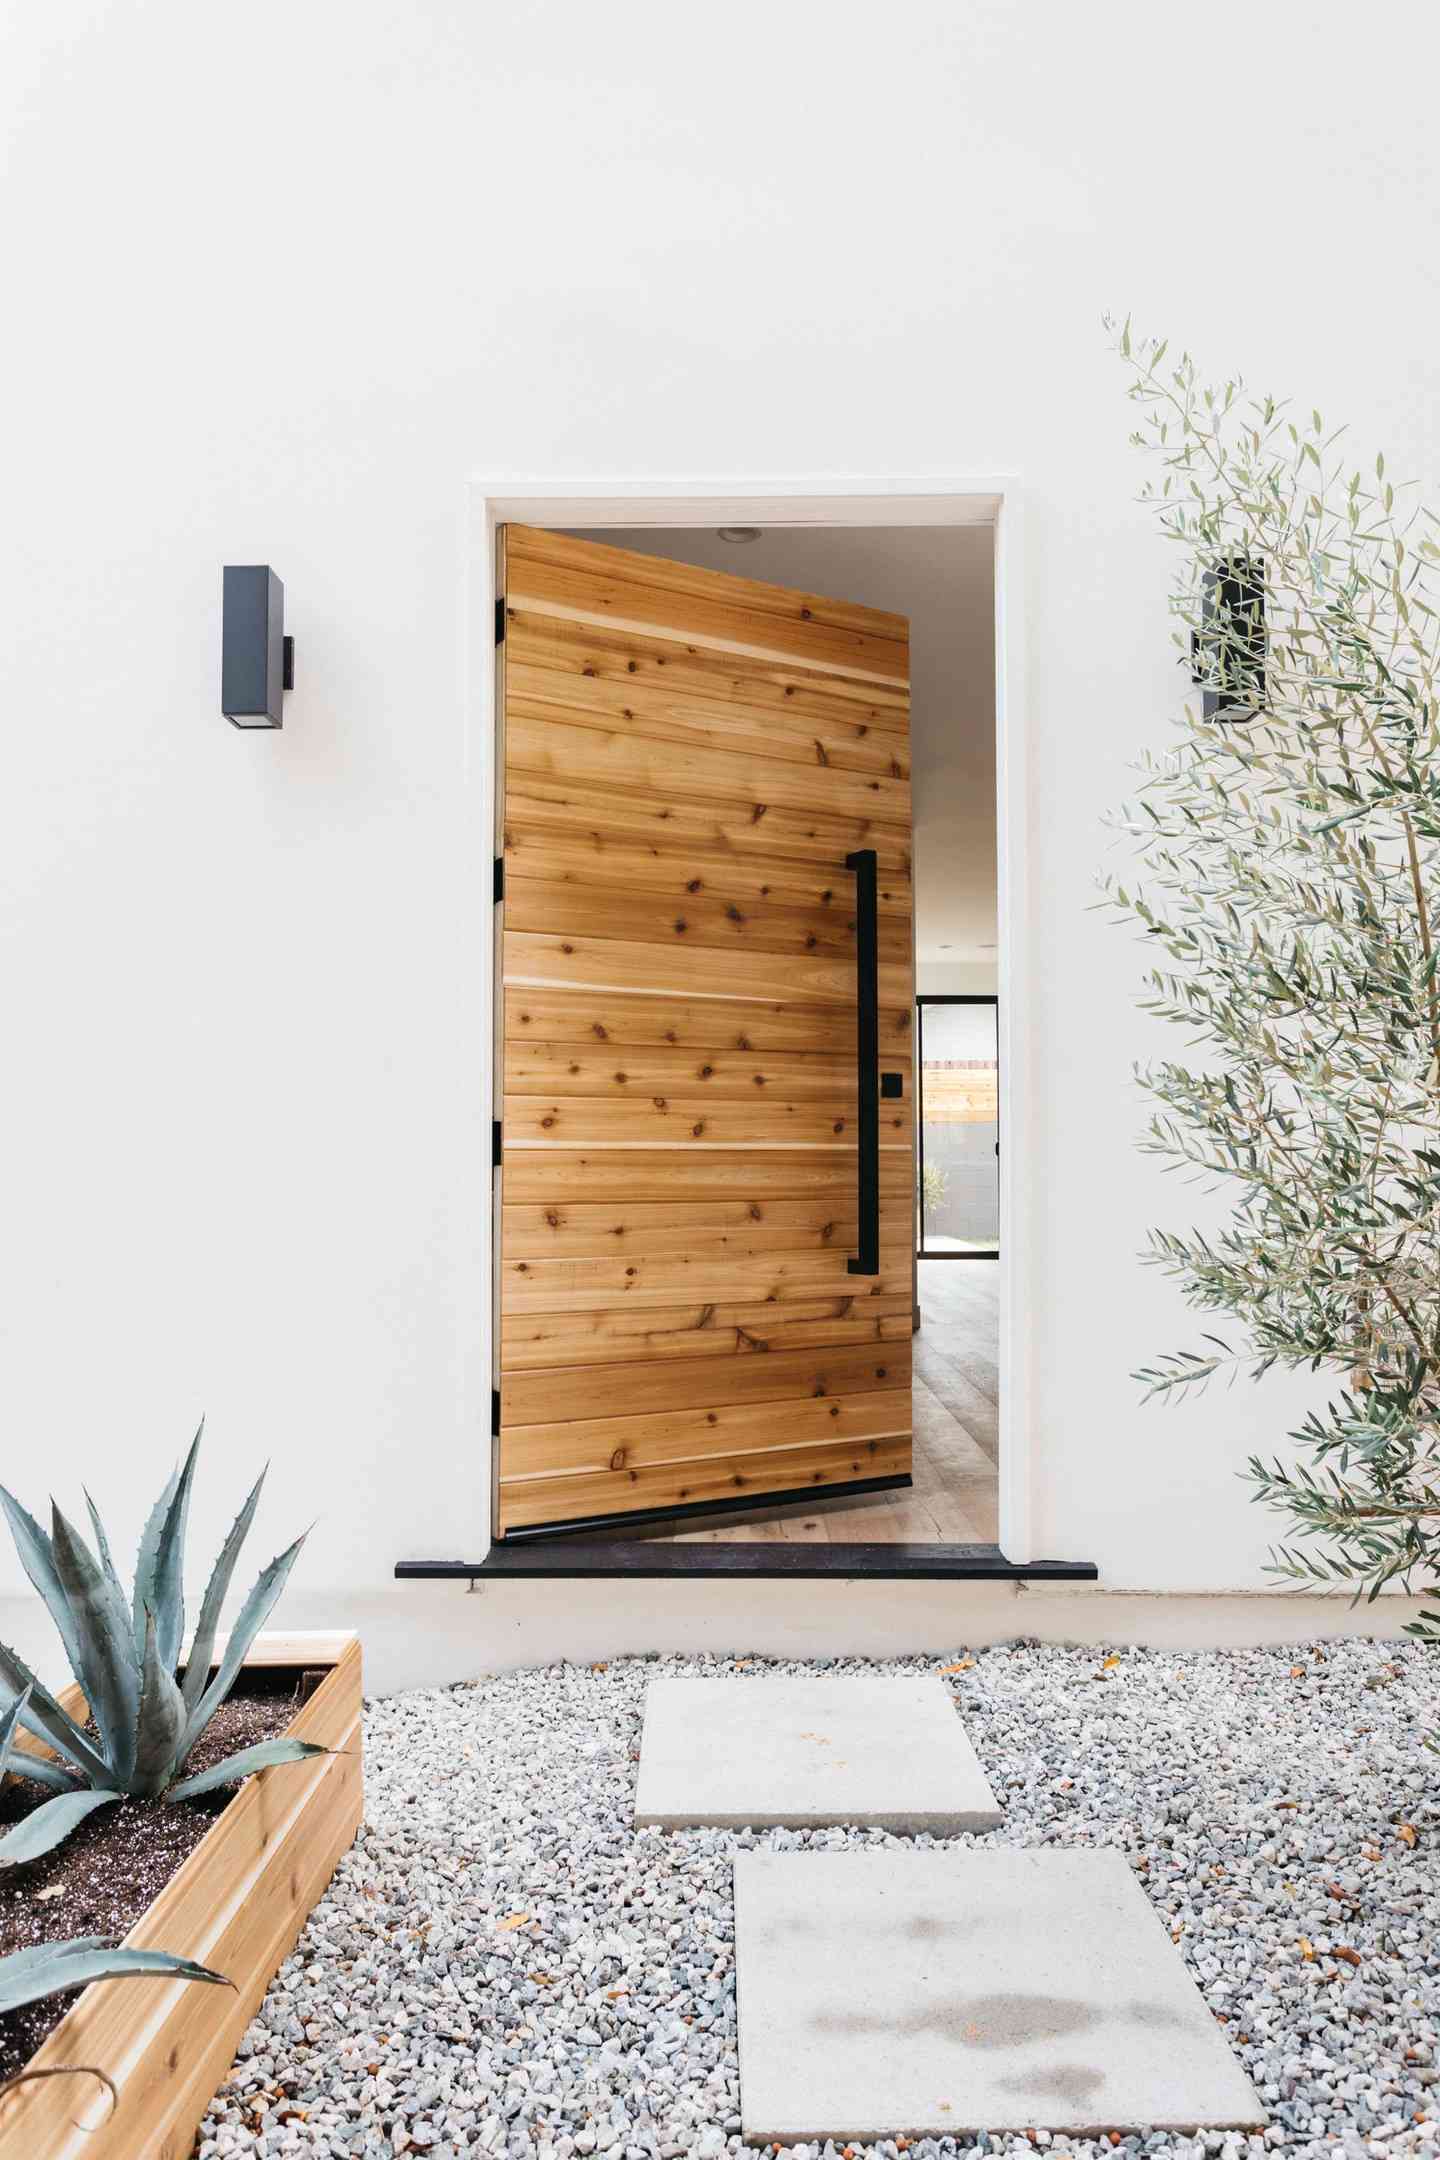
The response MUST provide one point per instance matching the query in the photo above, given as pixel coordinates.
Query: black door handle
(867, 1060)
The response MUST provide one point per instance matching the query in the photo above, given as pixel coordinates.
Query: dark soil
(100, 1880)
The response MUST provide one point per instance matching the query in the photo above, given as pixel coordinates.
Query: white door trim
(965, 500)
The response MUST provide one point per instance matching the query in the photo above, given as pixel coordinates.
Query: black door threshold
(575, 1559)
(699, 1511)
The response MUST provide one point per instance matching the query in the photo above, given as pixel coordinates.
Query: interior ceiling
(942, 577)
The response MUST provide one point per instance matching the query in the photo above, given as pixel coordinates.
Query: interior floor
(955, 1396)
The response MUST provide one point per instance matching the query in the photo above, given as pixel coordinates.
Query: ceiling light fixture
(738, 535)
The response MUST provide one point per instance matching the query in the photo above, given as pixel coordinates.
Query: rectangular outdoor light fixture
(257, 660)
(1228, 651)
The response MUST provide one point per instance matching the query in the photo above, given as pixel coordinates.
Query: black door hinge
(496, 1144)
(499, 622)
(499, 877)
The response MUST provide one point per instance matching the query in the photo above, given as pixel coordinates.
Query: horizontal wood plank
(600, 910)
(767, 696)
(538, 1066)
(632, 1020)
(569, 551)
(538, 1286)
(671, 1436)
(537, 958)
(737, 1477)
(636, 1174)
(637, 1388)
(678, 880)
(756, 835)
(633, 690)
(539, 741)
(721, 618)
(692, 1121)
(575, 1232)
(529, 1341)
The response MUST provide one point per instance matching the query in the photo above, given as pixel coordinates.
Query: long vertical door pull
(867, 1059)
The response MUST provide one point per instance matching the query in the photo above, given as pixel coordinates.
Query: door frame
(990, 499)
(949, 997)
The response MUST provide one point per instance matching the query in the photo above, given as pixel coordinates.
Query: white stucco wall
(279, 279)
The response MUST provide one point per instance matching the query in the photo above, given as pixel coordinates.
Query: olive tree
(1288, 885)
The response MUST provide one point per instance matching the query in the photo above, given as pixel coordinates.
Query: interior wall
(282, 279)
(956, 978)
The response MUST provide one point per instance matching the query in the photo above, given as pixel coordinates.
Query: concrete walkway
(933, 1990)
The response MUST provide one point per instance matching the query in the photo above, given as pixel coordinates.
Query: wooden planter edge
(236, 1903)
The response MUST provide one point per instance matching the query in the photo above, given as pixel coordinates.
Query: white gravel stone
(502, 1966)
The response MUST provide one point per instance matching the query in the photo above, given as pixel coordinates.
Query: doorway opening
(957, 1128)
(815, 540)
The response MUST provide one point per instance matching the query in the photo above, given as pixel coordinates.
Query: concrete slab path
(931, 1992)
(803, 1753)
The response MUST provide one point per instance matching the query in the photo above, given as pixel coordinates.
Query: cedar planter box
(237, 1903)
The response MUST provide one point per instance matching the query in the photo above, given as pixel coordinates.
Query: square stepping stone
(939, 1992)
(803, 1753)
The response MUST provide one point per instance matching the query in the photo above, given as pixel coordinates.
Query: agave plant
(46, 1968)
(125, 1654)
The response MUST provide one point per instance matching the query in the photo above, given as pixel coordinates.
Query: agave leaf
(145, 1558)
(159, 1721)
(252, 1617)
(202, 1649)
(102, 1545)
(45, 1968)
(40, 1769)
(46, 1825)
(38, 1560)
(19, 1762)
(9, 1726)
(160, 1566)
(107, 1666)
(262, 1756)
(18, 1963)
(44, 1716)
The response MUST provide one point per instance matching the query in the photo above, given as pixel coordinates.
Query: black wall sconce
(257, 660)
(1227, 654)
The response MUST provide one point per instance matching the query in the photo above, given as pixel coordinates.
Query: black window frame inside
(948, 997)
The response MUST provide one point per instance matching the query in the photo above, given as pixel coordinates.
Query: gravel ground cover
(502, 1966)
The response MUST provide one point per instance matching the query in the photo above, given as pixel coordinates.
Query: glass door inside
(958, 1159)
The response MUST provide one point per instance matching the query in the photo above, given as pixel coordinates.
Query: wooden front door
(689, 760)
